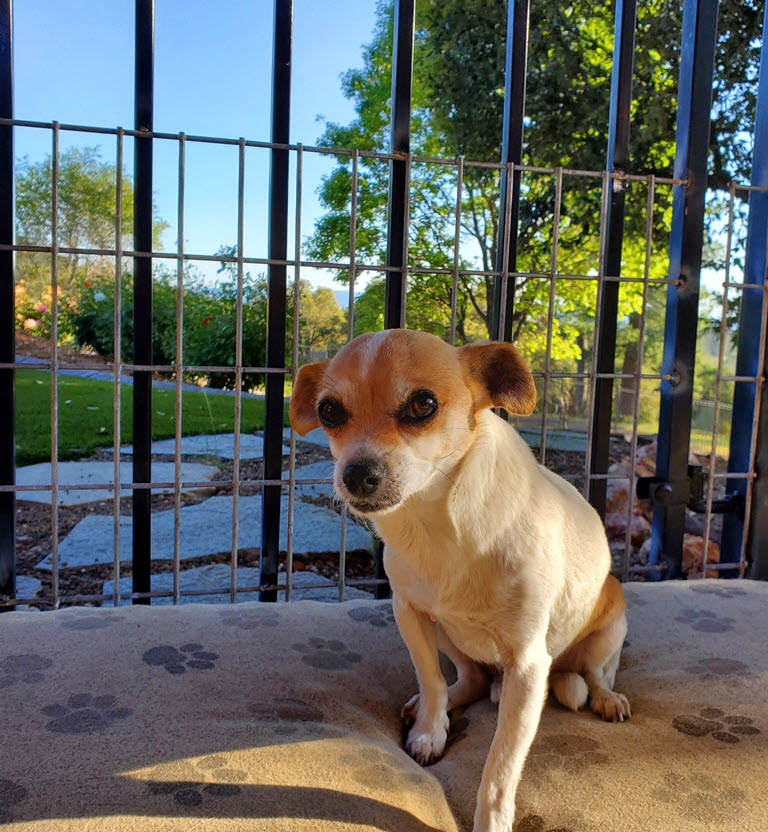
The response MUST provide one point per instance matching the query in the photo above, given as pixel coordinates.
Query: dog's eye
(331, 413)
(420, 406)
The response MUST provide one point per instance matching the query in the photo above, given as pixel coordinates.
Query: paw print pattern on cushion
(251, 619)
(327, 654)
(11, 794)
(723, 589)
(716, 723)
(177, 661)
(22, 668)
(84, 714)
(87, 622)
(378, 616)
(193, 792)
(536, 823)
(375, 768)
(705, 621)
(698, 796)
(714, 667)
(571, 753)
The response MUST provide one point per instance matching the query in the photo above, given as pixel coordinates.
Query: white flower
(99, 297)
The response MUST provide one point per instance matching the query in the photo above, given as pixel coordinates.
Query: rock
(84, 473)
(216, 445)
(616, 527)
(693, 551)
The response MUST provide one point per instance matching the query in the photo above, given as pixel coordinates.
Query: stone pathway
(83, 473)
(27, 587)
(322, 470)
(205, 530)
(315, 437)
(221, 445)
(217, 576)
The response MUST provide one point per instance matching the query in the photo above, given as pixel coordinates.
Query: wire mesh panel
(584, 303)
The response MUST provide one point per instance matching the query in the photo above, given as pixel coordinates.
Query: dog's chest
(453, 600)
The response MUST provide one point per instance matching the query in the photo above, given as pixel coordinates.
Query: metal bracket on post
(688, 492)
(699, 38)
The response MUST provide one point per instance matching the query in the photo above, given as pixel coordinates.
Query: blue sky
(74, 64)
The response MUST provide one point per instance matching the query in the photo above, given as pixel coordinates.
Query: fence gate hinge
(689, 492)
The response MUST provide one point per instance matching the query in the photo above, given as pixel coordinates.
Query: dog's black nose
(362, 477)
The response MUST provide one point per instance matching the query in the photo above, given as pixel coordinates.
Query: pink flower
(30, 324)
(41, 308)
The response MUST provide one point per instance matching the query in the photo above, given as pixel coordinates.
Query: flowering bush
(209, 323)
(33, 312)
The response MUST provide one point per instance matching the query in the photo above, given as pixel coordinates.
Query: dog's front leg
(426, 739)
(520, 706)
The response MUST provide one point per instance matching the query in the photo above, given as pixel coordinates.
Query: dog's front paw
(611, 706)
(427, 743)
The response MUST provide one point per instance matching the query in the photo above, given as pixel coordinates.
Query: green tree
(457, 110)
(322, 324)
(86, 215)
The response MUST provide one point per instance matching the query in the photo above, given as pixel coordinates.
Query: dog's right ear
(499, 371)
(303, 407)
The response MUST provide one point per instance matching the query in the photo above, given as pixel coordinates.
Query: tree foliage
(458, 100)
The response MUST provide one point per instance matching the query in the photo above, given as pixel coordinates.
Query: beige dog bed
(285, 717)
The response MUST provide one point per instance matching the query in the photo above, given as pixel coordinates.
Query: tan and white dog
(493, 560)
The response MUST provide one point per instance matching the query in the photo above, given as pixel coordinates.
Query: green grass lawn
(86, 415)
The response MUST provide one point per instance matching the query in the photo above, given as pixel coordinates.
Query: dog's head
(400, 409)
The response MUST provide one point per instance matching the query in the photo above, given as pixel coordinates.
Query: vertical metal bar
(399, 169)
(276, 288)
(502, 312)
(178, 398)
(699, 39)
(55, 364)
(639, 368)
(238, 367)
(718, 384)
(353, 244)
(294, 371)
(399, 193)
(142, 299)
(117, 334)
(551, 311)
(617, 161)
(456, 246)
(604, 206)
(745, 394)
(7, 312)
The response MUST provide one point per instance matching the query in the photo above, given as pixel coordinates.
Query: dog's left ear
(302, 410)
(500, 372)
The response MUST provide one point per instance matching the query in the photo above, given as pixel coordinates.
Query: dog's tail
(569, 689)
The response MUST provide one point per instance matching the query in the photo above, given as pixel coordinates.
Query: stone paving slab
(83, 473)
(27, 586)
(217, 576)
(206, 530)
(221, 445)
(322, 470)
(315, 437)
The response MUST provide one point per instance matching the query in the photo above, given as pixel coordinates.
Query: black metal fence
(676, 487)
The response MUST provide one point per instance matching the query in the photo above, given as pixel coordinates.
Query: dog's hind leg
(472, 681)
(602, 651)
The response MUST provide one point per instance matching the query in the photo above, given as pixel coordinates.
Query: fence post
(7, 309)
(617, 161)
(699, 39)
(269, 557)
(142, 299)
(748, 362)
(513, 129)
(396, 282)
